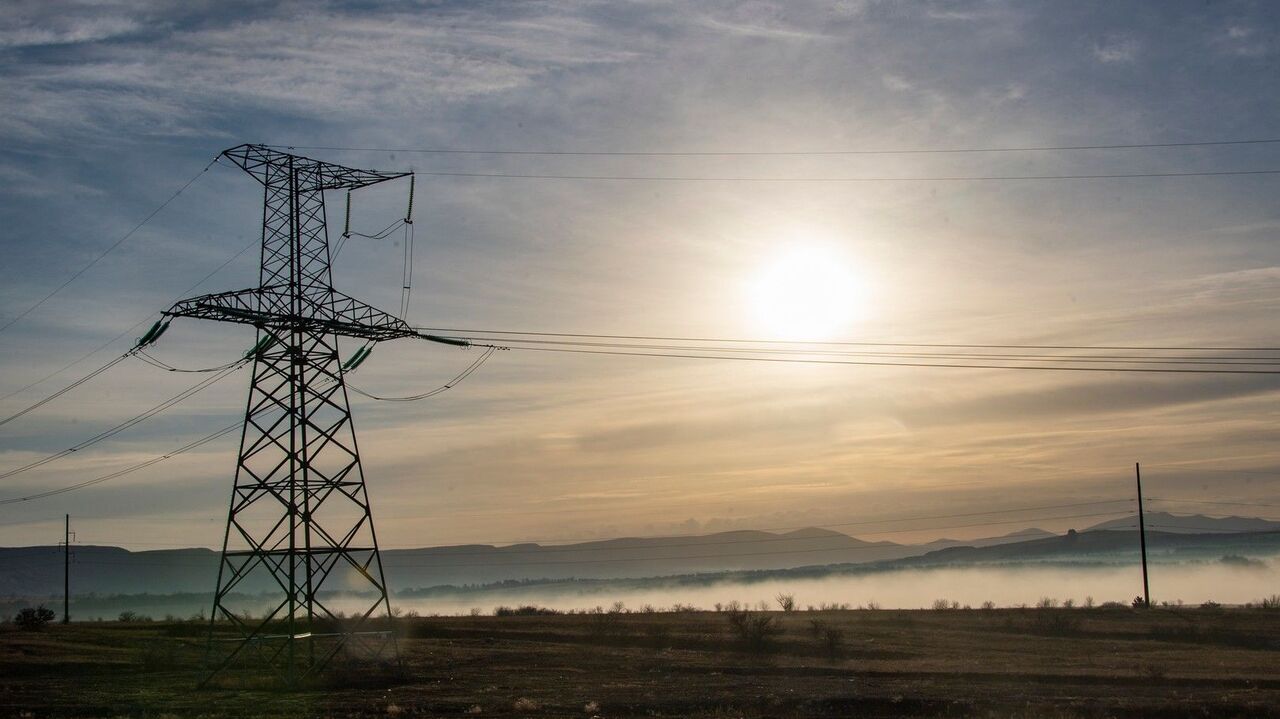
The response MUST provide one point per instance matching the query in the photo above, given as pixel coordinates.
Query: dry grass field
(985, 663)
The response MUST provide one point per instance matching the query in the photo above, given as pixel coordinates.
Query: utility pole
(66, 572)
(1142, 537)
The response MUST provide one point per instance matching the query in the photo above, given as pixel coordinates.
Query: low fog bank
(900, 589)
(1231, 580)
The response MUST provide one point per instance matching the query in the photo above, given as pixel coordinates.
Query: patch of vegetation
(756, 632)
(527, 610)
(33, 618)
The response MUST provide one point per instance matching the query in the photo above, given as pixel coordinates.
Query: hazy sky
(108, 107)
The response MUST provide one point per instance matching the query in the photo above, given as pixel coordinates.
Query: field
(988, 663)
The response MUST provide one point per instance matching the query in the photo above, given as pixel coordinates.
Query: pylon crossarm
(262, 162)
(334, 313)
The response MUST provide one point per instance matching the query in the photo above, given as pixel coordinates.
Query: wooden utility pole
(1142, 537)
(66, 572)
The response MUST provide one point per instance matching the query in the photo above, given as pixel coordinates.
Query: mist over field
(900, 589)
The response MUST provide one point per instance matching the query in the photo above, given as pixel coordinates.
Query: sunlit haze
(109, 111)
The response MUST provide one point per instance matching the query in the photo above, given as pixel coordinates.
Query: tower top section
(270, 167)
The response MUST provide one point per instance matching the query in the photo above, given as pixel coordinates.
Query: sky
(109, 107)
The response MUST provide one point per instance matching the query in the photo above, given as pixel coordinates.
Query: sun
(805, 293)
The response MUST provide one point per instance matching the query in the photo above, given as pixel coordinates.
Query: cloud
(348, 64)
(1245, 41)
(129, 95)
(1116, 49)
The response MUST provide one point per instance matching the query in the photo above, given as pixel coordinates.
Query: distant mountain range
(37, 571)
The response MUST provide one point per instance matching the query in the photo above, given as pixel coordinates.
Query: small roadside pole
(66, 572)
(1142, 537)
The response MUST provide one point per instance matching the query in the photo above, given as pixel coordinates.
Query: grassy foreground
(987, 663)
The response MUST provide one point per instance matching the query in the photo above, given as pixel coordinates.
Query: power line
(105, 434)
(225, 369)
(127, 470)
(128, 330)
(1152, 348)
(431, 393)
(66, 389)
(113, 246)
(938, 178)
(1093, 359)
(945, 365)
(777, 153)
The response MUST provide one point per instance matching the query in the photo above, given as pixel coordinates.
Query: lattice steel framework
(299, 525)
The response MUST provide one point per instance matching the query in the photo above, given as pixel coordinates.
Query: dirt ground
(984, 663)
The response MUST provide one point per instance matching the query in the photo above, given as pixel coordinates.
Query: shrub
(787, 602)
(1271, 602)
(941, 605)
(756, 632)
(988, 605)
(1046, 603)
(131, 616)
(32, 618)
(1058, 624)
(1210, 605)
(527, 610)
(1138, 603)
(829, 637)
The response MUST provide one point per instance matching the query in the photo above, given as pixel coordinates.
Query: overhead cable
(869, 363)
(105, 434)
(109, 249)
(431, 393)
(1153, 348)
(131, 329)
(935, 178)
(127, 470)
(779, 153)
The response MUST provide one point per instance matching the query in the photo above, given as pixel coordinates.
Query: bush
(1271, 602)
(527, 610)
(787, 602)
(1138, 603)
(32, 618)
(755, 632)
(829, 637)
(1057, 623)
(128, 616)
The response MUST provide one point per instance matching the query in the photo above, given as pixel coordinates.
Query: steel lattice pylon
(299, 523)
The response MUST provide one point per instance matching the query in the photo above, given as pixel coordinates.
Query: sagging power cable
(488, 352)
(110, 248)
(137, 419)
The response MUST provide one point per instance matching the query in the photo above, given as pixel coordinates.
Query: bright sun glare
(806, 293)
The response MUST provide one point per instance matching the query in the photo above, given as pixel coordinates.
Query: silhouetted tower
(300, 525)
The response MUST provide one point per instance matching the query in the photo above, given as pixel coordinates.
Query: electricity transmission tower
(300, 524)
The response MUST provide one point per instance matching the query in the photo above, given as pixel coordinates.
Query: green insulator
(351, 361)
(149, 334)
(408, 215)
(346, 229)
(261, 346)
(361, 357)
